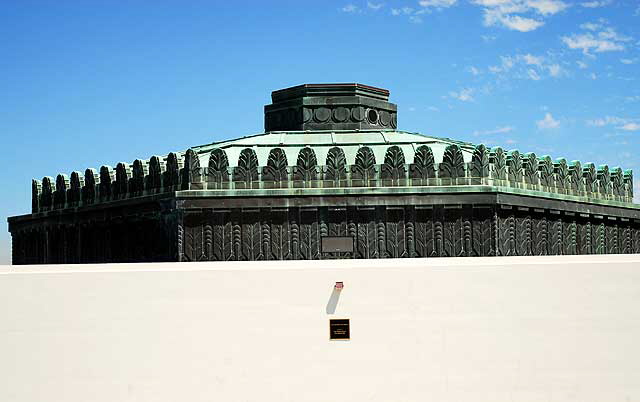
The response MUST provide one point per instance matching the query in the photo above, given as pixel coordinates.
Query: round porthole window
(372, 116)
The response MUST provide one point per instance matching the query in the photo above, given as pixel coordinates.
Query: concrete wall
(455, 329)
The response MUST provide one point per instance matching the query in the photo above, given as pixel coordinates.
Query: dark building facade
(331, 177)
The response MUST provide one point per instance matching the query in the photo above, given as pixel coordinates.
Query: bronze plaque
(337, 244)
(339, 329)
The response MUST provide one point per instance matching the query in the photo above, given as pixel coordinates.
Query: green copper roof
(321, 142)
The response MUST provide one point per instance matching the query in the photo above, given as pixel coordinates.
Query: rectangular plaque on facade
(339, 329)
(337, 244)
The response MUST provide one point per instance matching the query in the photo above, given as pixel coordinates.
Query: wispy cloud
(350, 8)
(473, 70)
(438, 3)
(526, 66)
(498, 130)
(597, 38)
(548, 122)
(629, 61)
(620, 123)
(596, 4)
(519, 15)
(465, 94)
(630, 127)
(375, 6)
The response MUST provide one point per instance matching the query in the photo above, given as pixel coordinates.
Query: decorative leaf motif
(452, 165)
(590, 178)
(612, 239)
(555, 237)
(89, 189)
(604, 180)
(482, 239)
(252, 241)
(479, 167)
(514, 164)
(60, 195)
(507, 235)
(498, 160)
(393, 166)
(194, 243)
(136, 184)
(395, 237)
(530, 168)
(247, 170)
(561, 171)
(172, 174)
(523, 235)
(276, 169)
(365, 165)
(154, 181)
(545, 167)
(218, 169)
(367, 238)
(104, 187)
(425, 241)
(570, 238)
(306, 168)
(335, 166)
(453, 235)
(121, 184)
(309, 241)
(280, 248)
(617, 185)
(223, 240)
(628, 183)
(575, 177)
(585, 237)
(423, 164)
(75, 189)
(191, 172)
(36, 189)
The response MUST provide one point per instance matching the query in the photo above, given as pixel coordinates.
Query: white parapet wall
(449, 329)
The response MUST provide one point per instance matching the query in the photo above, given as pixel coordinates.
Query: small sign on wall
(339, 329)
(337, 244)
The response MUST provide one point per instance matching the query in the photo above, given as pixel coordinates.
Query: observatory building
(331, 177)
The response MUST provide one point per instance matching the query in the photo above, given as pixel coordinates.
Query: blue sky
(91, 83)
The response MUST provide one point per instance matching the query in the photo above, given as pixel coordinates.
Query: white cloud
(629, 61)
(593, 76)
(465, 95)
(630, 127)
(587, 42)
(547, 123)
(634, 98)
(488, 38)
(402, 11)
(438, 3)
(596, 4)
(598, 38)
(554, 70)
(519, 15)
(350, 8)
(415, 19)
(433, 109)
(475, 71)
(620, 123)
(581, 64)
(530, 59)
(533, 74)
(374, 6)
(526, 66)
(591, 26)
(498, 130)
